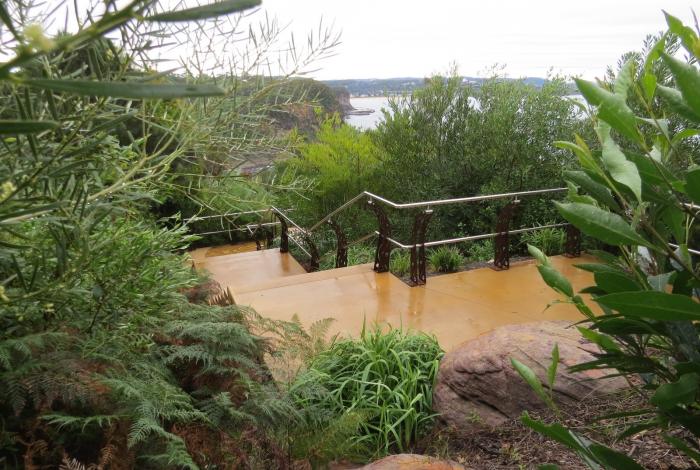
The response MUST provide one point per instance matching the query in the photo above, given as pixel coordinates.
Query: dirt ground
(514, 445)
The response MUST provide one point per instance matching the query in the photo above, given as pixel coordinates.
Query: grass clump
(481, 251)
(400, 262)
(549, 240)
(445, 259)
(386, 377)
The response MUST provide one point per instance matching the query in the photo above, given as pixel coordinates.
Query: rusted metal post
(420, 226)
(313, 264)
(341, 255)
(263, 234)
(383, 251)
(501, 258)
(284, 234)
(572, 248)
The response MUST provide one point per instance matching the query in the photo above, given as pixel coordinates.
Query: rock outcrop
(476, 382)
(412, 462)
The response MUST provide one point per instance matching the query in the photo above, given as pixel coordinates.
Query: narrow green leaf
(684, 134)
(624, 79)
(620, 168)
(613, 459)
(615, 282)
(692, 184)
(652, 304)
(612, 108)
(556, 280)
(599, 192)
(601, 224)
(537, 254)
(125, 89)
(204, 12)
(681, 392)
(688, 37)
(688, 81)
(531, 378)
(674, 100)
(683, 447)
(8, 127)
(605, 342)
(585, 158)
(649, 83)
(552, 369)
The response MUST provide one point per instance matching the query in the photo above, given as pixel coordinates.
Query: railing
(290, 230)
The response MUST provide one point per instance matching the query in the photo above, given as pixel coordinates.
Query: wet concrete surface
(454, 307)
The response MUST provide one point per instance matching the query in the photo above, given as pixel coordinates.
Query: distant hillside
(400, 85)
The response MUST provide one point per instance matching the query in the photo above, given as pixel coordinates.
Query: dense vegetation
(448, 139)
(108, 357)
(403, 85)
(637, 189)
(104, 362)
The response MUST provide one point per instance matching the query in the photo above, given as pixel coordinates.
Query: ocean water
(369, 121)
(377, 103)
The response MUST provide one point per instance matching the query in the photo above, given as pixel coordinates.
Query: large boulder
(412, 462)
(476, 382)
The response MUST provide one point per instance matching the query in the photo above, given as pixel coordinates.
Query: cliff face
(343, 96)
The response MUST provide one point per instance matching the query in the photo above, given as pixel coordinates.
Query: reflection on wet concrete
(454, 307)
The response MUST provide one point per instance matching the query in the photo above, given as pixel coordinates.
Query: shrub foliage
(632, 193)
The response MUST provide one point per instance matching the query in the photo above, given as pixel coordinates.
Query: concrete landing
(454, 307)
(241, 270)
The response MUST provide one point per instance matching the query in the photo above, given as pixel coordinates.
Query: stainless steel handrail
(298, 244)
(437, 202)
(442, 202)
(286, 217)
(239, 229)
(340, 208)
(449, 241)
(392, 204)
(690, 250)
(195, 218)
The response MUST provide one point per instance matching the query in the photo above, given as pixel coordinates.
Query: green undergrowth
(381, 384)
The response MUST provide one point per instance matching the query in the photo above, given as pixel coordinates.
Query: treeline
(407, 85)
(444, 140)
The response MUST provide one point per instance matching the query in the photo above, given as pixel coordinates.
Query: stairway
(454, 307)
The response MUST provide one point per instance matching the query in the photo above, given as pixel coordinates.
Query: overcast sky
(398, 38)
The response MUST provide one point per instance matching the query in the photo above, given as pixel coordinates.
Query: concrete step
(302, 278)
(242, 269)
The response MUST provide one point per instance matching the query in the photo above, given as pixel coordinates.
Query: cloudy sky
(398, 38)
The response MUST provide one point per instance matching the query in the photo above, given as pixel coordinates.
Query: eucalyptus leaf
(203, 12)
(692, 184)
(599, 192)
(9, 127)
(620, 168)
(556, 280)
(132, 90)
(601, 224)
(652, 304)
(612, 108)
(682, 392)
(675, 101)
(688, 81)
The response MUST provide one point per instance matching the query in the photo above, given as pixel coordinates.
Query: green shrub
(400, 262)
(549, 240)
(445, 259)
(386, 376)
(360, 254)
(633, 194)
(481, 250)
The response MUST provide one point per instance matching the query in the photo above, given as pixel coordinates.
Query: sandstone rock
(476, 382)
(412, 462)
